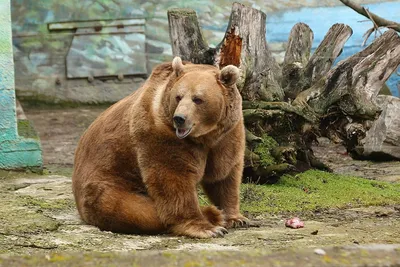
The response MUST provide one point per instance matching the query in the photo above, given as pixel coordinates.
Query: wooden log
(245, 46)
(296, 58)
(254, 115)
(327, 52)
(380, 22)
(302, 75)
(284, 106)
(251, 138)
(299, 45)
(250, 158)
(354, 82)
(187, 38)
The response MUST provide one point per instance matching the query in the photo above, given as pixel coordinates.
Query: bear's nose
(179, 120)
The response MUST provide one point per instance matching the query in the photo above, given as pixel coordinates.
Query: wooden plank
(73, 25)
(110, 30)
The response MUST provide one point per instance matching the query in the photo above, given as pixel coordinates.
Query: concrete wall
(40, 55)
(8, 121)
(15, 152)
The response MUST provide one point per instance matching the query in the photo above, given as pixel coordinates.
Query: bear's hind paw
(213, 215)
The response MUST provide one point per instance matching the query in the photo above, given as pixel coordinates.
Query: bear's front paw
(237, 222)
(199, 230)
(213, 215)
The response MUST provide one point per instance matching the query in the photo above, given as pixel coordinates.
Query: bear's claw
(238, 223)
(220, 232)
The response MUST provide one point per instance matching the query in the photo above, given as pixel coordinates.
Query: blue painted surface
(321, 19)
(8, 120)
(15, 152)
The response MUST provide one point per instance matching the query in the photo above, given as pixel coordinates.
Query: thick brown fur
(132, 173)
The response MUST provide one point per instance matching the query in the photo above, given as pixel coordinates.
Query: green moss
(26, 129)
(7, 174)
(58, 170)
(192, 264)
(264, 150)
(203, 199)
(16, 219)
(316, 190)
(182, 11)
(55, 204)
(58, 258)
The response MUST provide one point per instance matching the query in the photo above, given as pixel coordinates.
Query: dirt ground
(39, 225)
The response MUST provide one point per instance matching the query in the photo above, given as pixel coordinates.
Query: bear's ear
(229, 75)
(177, 65)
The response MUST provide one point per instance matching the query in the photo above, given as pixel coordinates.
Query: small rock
(319, 251)
(315, 232)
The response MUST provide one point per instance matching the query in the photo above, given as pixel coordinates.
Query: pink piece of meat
(294, 223)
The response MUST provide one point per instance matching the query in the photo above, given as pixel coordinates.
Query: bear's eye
(178, 98)
(197, 101)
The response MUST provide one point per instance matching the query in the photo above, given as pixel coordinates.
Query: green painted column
(15, 152)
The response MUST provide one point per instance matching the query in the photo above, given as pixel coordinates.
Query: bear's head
(203, 99)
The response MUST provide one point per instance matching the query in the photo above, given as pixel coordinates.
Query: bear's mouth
(182, 132)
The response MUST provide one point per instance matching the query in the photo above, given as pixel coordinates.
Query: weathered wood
(381, 22)
(296, 58)
(300, 74)
(284, 106)
(186, 37)
(251, 138)
(245, 46)
(354, 82)
(299, 44)
(254, 115)
(327, 52)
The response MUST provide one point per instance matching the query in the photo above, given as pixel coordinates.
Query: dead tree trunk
(320, 100)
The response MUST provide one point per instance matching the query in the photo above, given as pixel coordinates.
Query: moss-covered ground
(317, 190)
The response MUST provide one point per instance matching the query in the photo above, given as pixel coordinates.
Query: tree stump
(287, 107)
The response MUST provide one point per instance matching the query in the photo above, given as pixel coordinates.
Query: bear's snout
(179, 120)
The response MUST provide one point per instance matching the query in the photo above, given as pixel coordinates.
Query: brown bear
(138, 165)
